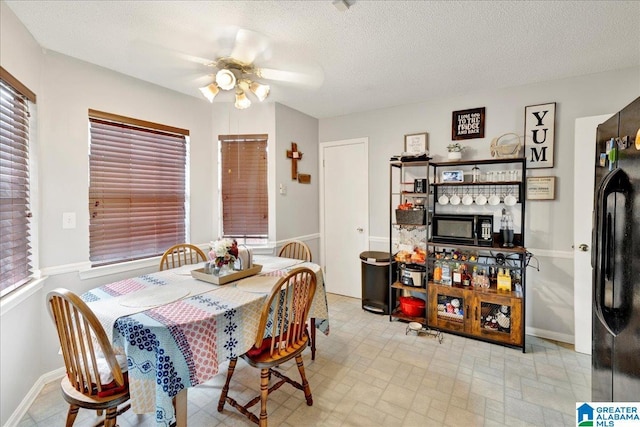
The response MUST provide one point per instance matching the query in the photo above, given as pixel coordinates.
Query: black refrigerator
(616, 259)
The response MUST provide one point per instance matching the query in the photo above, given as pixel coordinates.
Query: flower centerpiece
(455, 151)
(223, 252)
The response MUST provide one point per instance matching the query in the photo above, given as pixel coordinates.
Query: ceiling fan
(238, 71)
(234, 74)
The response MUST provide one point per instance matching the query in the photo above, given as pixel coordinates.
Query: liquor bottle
(446, 273)
(437, 271)
(517, 282)
(457, 275)
(466, 277)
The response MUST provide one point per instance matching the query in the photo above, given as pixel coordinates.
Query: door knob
(583, 247)
(359, 229)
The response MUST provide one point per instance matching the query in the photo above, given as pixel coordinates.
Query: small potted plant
(455, 151)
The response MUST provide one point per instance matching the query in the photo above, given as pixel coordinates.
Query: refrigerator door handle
(608, 252)
(610, 302)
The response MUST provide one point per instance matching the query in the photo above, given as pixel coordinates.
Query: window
(137, 188)
(243, 188)
(15, 214)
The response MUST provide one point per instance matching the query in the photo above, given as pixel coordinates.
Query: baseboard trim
(32, 395)
(550, 335)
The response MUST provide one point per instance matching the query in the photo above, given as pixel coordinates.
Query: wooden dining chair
(295, 249)
(282, 335)
(299, 250)
(95, 377)
(181, 254)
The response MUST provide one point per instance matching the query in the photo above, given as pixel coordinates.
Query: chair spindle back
(297, 250)
(181, 254)
(285, 312)
(83, 342)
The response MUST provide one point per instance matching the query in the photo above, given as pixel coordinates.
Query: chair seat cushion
(113, 388)
(266, 345)
(257, 351)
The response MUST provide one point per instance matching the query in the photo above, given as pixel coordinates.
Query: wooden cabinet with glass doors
(487, 315)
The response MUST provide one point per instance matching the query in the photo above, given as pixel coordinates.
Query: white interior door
(583, 191)
(344, 204)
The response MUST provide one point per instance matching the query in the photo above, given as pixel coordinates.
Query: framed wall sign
(416, 143)
(539, 135)
(541, 188)
(467, 124)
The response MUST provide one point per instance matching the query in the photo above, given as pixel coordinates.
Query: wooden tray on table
(227, 278)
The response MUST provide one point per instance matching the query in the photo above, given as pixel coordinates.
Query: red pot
(412, 306)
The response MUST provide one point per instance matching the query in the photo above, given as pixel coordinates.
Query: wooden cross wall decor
(294, 155)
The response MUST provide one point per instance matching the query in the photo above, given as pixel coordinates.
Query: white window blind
(245, 202)
(15, 214)
(137, 188)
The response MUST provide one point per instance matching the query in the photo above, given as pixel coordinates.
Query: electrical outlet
(69, 220)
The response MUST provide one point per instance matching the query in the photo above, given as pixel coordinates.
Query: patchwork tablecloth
(181, 343)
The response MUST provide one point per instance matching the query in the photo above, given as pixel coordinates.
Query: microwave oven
(474, 230)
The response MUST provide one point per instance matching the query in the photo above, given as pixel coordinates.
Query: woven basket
(506, 146)
(411, 217)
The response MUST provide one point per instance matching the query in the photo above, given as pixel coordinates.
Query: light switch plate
(69, 220)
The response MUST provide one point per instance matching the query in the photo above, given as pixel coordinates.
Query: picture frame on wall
(541, 188)
(468, 124)
(453, 176)
(539, 135)
(416, 143)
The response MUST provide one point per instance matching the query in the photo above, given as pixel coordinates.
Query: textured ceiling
(374, 55)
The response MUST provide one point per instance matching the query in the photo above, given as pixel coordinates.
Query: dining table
(177, 331)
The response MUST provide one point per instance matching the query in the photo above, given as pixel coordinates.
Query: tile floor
(367, 372)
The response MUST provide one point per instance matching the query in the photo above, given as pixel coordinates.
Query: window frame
(147, 127)
(29, 99)
(254, 241)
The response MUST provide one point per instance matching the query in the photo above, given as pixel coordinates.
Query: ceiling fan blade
(157, 53)
(303, 76)
(248, 45)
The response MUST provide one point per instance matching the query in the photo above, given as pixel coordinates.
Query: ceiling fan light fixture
(259, 90)
(210, 91)
(225, 79)
(242, 101)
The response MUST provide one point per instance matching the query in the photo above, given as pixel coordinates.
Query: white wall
(298, 209)
(549, 223)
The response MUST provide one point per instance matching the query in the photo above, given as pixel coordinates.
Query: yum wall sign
(539, 131)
